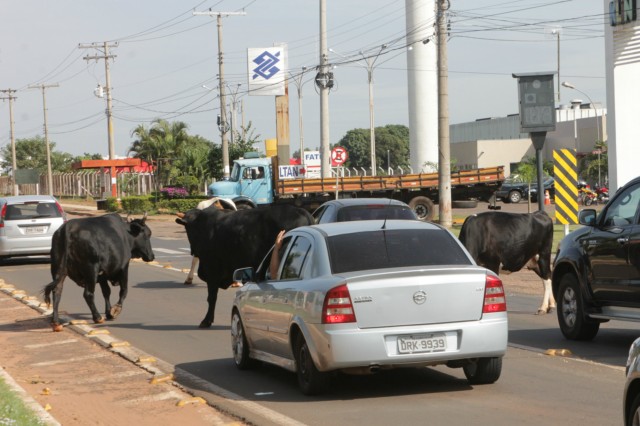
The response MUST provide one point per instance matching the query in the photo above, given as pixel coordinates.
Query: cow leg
(56, 295)
(194, 265)
(548, 301)
(88, 294)
(212, 298)
(124, 289)
(106, 293)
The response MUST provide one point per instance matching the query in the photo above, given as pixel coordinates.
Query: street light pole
(370, 62)
(299, 83)
(571, 86)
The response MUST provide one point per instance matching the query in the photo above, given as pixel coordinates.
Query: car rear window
(31, 211)
(374, 212)
(394, 248)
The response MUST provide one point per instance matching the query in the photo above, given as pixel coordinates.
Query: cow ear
(179, 221)
(135, 227)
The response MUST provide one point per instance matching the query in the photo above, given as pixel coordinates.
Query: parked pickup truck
(258, 181)
(596, 273)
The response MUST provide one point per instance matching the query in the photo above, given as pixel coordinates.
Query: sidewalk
(69, 378)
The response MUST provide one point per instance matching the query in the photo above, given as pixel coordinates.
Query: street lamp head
(569, 85)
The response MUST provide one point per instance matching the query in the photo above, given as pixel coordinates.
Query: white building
(498, 142)
(622, 50)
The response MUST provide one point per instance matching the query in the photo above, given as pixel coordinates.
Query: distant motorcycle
(602, 194)
(586, 196)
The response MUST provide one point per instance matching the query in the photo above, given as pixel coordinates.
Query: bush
(112, 204)
(137, 205)
(178, 204)
(171, 192)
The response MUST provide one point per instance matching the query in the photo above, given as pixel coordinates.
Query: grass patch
(13, 411)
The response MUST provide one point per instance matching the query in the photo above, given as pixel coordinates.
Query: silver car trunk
(417, 296)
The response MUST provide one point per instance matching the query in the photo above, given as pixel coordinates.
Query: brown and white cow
(513, 241)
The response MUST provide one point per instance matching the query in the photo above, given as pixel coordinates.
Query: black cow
(513, 240)
(96, 249)
(227, 240)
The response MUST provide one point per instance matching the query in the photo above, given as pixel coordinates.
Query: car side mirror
(587, 217)
(244, 275)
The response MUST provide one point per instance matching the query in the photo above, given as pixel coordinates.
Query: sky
(165, 55)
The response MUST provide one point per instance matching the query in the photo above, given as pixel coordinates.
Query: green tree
(161, 145)
(31, 153)
(595, 167)
(392, 146)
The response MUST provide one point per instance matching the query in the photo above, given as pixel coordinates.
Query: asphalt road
(161, 316)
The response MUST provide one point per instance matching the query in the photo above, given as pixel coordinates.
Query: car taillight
(494, 297)
(59, 207)
(337, 307)
(3, 212)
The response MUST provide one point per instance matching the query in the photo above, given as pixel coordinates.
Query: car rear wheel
(423, 207)
(633, 415)
(514, 197)
(483, 371)
(310, 380)
(239, 344)
(571, 313)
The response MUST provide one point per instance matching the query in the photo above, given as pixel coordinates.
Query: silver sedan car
(360, 297)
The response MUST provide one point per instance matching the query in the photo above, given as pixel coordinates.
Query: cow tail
(59, 248)
(47, 292)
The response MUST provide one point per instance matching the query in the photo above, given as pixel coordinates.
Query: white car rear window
(394, 248)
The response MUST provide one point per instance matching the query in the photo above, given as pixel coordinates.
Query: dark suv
(596, 273)
(513, 190)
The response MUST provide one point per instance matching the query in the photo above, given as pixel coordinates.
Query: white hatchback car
(27, 224)
(366, 296)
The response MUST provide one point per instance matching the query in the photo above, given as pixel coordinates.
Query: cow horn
(180, 215)
(144, 217)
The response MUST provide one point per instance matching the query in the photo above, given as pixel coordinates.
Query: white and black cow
(96, 250)
(226, 240)
(220, 204)
(513, 240)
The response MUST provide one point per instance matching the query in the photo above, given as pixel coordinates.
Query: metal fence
(84, 183)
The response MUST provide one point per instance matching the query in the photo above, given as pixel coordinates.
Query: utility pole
(106, 56)
(222, 126)
(444, 150)
(46, 132)
(324, 81)
(10, 97)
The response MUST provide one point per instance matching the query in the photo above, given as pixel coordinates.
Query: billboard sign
(266, 71)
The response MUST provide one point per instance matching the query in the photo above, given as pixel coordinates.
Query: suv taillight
(3, 212)
(494, 297)
(337, 307)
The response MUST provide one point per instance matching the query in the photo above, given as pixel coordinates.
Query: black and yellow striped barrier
(565, 169)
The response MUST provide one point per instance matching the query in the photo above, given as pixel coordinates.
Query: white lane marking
(232, 399)
(45, 345)
(76, 359)
(167, 251)
(111, 376)
(152, 398)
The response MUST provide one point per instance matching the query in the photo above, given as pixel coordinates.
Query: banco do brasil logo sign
(267, 65)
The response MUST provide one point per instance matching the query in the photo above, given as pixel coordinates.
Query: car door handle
(623, 240)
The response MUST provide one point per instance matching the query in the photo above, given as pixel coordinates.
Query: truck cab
(249, 184)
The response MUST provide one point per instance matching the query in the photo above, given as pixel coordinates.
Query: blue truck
(256, 181)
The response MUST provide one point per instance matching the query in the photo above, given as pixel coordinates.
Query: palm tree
(160, 145)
